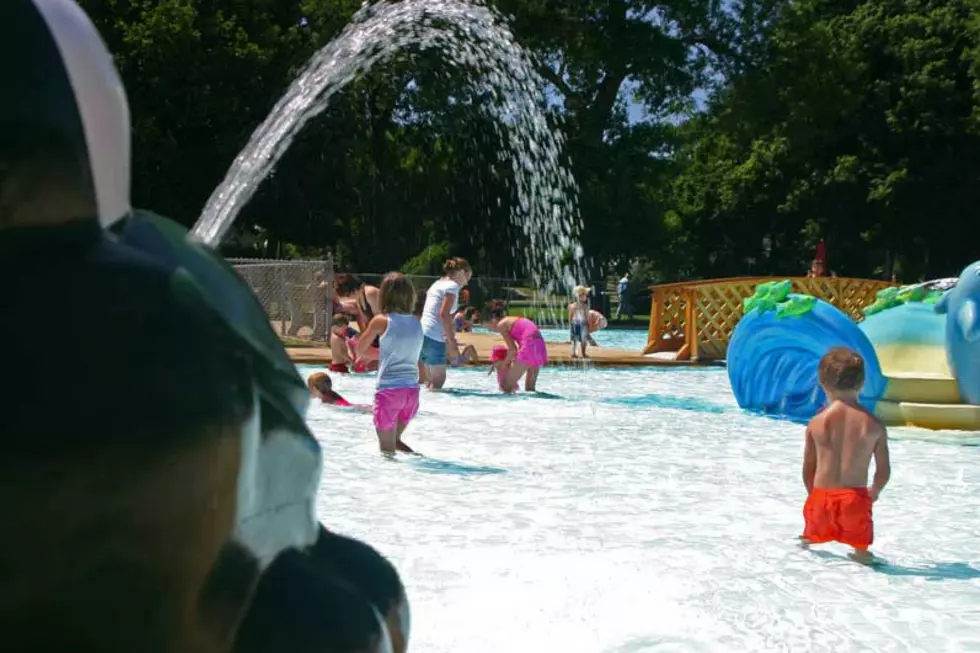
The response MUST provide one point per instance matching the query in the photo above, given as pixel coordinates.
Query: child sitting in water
(321, 387)
(578, 318)
(526, 351)
(340, 350)
(396, 400)
(840, 443)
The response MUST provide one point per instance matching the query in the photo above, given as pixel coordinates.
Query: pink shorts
(532, 352)
(395, 405)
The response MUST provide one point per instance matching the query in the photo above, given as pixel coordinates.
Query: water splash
(475, 40)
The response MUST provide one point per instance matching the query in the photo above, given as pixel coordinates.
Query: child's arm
(809, 461)
(504, 328)
(571, 312)
(883, 465)
(377, 326)
(449, 325)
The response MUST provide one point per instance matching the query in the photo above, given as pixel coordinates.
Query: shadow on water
(434, 466)
(667, 401)
(930, 571)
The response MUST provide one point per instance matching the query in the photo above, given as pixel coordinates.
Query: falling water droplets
(475, 41)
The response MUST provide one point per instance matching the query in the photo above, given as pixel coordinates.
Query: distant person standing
(623, 290)
(439, 348)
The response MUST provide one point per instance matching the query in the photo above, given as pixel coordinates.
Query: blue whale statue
(962, 308)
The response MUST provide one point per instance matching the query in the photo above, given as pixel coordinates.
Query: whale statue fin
(942, 305)
(968, 320)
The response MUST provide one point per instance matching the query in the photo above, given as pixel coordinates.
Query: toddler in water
(321, 387)
(499, 364)
(399, 335)
(597, 322)
(340, 348)
(578, 318)
(840, 443)
(526, 351)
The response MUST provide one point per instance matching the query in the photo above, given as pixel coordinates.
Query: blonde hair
(319, 382)
(397, 294)
(579, 290)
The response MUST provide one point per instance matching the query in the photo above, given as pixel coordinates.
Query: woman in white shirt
(439, 347)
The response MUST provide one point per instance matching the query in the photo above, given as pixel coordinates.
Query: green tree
(858, 125)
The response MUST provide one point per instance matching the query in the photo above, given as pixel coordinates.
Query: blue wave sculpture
(773, 358)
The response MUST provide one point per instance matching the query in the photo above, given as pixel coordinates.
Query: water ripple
(622, 528)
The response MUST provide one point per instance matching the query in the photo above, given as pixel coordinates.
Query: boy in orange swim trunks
(840, 443)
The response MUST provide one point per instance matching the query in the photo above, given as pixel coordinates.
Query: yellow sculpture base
(922, 389)
(952, 417)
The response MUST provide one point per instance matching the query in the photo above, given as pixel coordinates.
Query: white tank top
(431, 321)
(401, 344)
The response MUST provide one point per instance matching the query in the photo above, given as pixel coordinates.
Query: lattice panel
(856, 294)
(668, 311)
(674, 308)
(825, 288)
(718, 306)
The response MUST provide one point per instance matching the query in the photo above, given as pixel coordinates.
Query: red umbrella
(821, 256)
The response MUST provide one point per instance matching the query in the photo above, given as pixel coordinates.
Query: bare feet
(864, 557)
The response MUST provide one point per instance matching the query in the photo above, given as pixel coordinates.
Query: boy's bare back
(845, 437)
(840, 443)
(339, 354)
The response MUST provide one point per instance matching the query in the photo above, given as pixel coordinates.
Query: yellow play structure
(921, 343)
(695, 319)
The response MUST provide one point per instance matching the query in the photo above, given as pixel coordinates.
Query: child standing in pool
(526, 351)
(340, 349)
(578, 318)
(840, 443)
(399, 334)
(439, 347)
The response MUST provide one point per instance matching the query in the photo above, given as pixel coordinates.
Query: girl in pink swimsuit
(526, 351)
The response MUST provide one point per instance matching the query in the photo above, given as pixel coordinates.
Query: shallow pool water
(641, 510)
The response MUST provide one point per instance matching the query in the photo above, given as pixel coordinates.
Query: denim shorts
(578, 332)
(433, 352)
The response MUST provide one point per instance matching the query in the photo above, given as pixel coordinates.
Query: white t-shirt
(431, 322)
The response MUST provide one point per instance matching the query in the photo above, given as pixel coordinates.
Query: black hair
(138, 332)
(300, 607)
(497, 309)
(321, 599)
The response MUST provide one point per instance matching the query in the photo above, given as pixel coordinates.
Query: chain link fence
(299, 297)
(296, 295)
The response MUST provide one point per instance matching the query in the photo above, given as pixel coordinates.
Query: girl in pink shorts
(526, 351)
(396, 400)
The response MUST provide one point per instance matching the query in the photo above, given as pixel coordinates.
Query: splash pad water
(478, 44)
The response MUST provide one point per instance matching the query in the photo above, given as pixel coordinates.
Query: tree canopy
(707, 138)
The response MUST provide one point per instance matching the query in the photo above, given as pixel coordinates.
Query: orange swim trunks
(839, 515)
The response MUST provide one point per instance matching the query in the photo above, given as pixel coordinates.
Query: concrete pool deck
(558, 354)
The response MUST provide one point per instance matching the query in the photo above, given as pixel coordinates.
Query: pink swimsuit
(530, 344)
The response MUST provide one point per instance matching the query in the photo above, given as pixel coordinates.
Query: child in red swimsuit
(321, 387)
